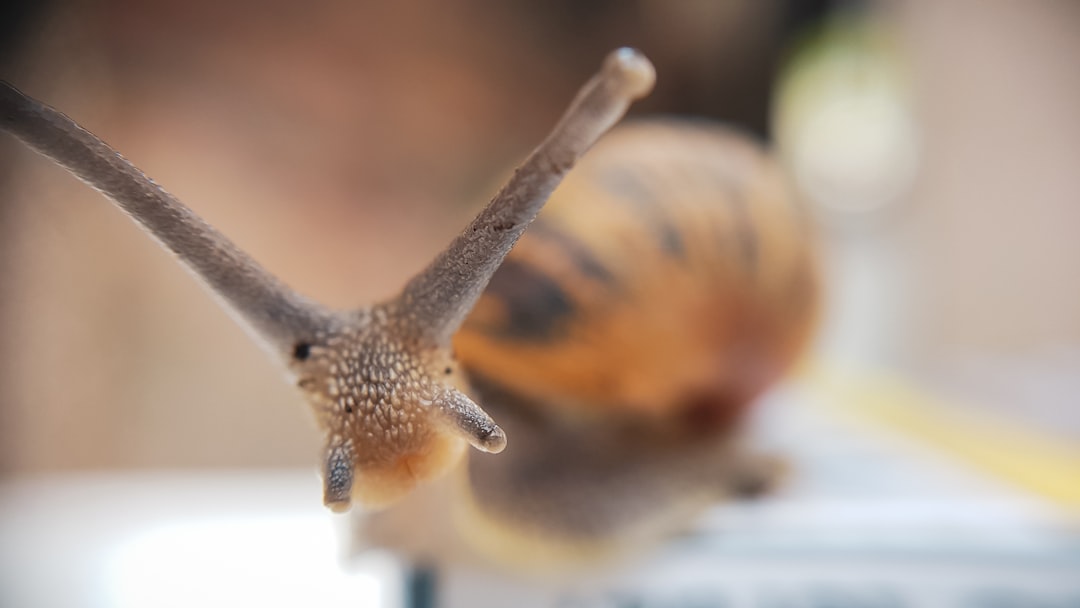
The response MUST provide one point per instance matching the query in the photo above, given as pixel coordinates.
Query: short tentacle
(467, 420)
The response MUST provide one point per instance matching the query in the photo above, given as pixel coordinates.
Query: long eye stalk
(275, 313)
(438, 299)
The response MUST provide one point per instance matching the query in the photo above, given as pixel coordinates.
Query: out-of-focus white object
(172, 539)
(844, 120)
(266, 560)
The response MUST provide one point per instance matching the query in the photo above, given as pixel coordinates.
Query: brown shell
(671, 276)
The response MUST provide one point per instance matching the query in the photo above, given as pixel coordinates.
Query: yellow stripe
(1047, 465)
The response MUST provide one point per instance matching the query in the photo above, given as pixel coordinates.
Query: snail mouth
(406, 464)
(379, 485)
(380, 488)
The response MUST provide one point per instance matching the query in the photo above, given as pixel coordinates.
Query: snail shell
(670, 276)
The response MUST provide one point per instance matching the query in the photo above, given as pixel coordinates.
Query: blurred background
(342, 144)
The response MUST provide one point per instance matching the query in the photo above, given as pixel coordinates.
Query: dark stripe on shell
(536, 306)
(578, 252)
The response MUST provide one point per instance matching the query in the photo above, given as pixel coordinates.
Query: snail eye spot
(449, 371)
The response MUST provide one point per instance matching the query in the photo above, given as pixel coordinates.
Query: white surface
(870, 519)
(178, 539)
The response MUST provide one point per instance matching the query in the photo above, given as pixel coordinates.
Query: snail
(670, 280)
